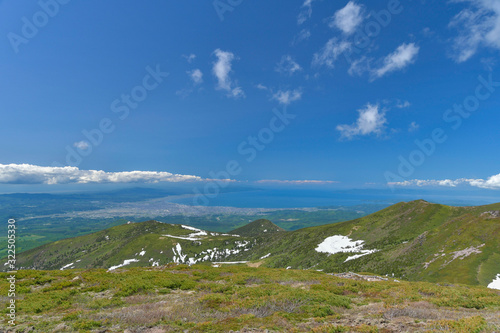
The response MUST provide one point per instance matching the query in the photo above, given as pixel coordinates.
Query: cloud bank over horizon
(492, 183)
(34, 174)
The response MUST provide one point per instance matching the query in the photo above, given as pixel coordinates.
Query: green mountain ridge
(416, 241)
(257, 227)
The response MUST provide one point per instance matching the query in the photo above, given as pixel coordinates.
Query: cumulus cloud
(371, 120)
(348, 18)
(287, 66)
(330, 52)
(196, 75)
(34, 174)
(222, 69)
(306, 12)
(478, 26)
(404, 55)
(296, 182)
(288, 96)
(492, 182)
(83, 145)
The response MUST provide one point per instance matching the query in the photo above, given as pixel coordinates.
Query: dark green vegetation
(257, 227)
(415, 241)
(178, 298)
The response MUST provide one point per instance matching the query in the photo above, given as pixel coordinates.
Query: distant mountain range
(410, 240)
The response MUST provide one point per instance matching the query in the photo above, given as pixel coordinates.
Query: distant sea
(293, 198)
(271, 197)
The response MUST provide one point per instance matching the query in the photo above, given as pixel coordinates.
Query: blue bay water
(293, 198)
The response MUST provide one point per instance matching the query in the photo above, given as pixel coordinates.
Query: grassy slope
(112, 246)
(205, 299)
(39, 231)
(407, 236)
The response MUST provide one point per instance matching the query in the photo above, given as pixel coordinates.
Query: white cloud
(359, 66)
(348, 18)
(260, 86)
(237, 93)
(296, 182)
(402, 104)
(492, 182)
(287, 96)
(189, 58)
(287, 65)
(330, 52)
(478, 25)
(429, 182)
(413, 127)
(83, 145)
(371, 120)
(404, 55)
(306, 12)
(196, 75)
(34, 174)
(221, 70)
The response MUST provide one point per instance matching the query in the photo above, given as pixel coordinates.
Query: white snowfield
(343, 244)
(208, 254)
(125, 263)
(192, 236)
(185, 238)
(264, 257)
(190, 228)
(64, 267)
(495, 284)
(229, 262)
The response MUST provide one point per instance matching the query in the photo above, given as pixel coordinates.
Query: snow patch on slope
(125, 263)
(230, 262)
(208, 254)
(343, 244)
(68, 265)
(192, 236)
(495, 284)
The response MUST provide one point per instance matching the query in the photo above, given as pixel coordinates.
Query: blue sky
(209, 87)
